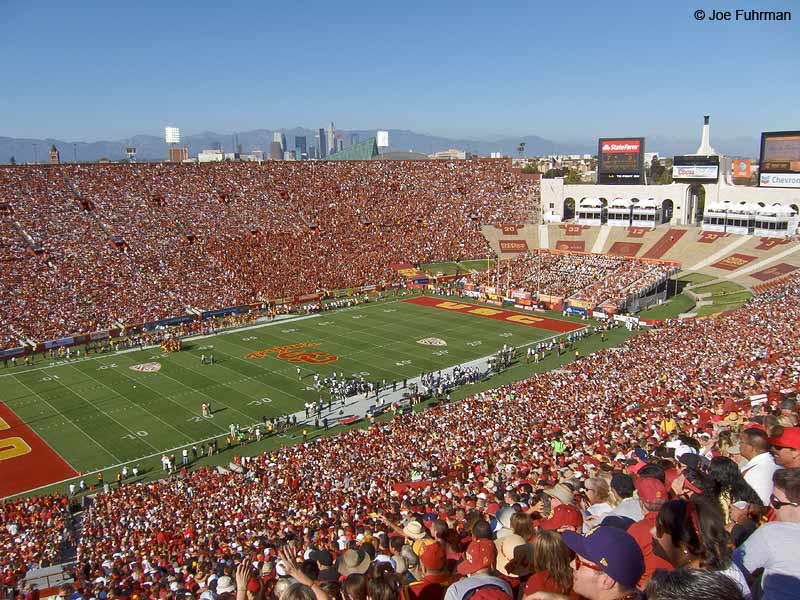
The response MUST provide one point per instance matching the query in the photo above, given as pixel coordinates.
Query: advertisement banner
(309, 297)
(12, 352)
(627, 319)
(695, 172)
(223, 311)
(574, 310)
(165, 322)
(742, 169)
(585, 304)
(472, 293)
(521, 294)
(551, 299)
(509, 246)
(782, 180)
(98, 335)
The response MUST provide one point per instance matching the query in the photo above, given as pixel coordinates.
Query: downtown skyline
(465, 71)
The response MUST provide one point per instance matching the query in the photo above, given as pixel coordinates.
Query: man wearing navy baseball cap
(608, 566)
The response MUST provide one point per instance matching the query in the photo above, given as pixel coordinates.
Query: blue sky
(564, 70)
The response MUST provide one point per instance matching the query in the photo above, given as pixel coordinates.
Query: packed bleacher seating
(670, 414)
(140, 242)
(592, 278)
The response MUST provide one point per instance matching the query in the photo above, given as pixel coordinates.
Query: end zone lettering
(497, 314)
(26, 461)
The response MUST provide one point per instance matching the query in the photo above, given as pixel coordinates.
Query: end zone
(26, 461)
(498, 314)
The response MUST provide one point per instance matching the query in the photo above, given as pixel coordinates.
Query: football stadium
(368, 372)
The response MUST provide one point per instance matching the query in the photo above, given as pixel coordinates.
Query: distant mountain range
(150, 147)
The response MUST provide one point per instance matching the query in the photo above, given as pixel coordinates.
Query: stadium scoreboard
(620, 160)
(779, 165)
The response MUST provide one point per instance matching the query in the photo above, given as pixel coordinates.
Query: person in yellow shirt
(667, 425)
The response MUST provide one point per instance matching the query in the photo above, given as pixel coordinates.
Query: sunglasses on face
(779, 448)
(778, 504)
(582, 563)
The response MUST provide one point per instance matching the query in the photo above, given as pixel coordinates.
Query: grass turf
(681, 303)
(719, 288)
(696, 278)
(454, 268)
(99, 414)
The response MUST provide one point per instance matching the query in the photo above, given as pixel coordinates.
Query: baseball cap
(611, 549)
(651, 489)
(434, 557)
(323, 557)
(789, 438)
(480, 554)
(564, 515)
(617, 521)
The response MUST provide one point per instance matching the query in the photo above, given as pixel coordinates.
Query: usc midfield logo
(296, 353)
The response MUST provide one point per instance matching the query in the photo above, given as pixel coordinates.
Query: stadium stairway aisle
(671, 237)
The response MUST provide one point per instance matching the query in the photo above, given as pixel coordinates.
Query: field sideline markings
(229, 331)
(111, 467)
(75, 425)
(129, 401)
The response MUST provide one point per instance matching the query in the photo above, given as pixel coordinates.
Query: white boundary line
(237, 330)
(71, 422)
(141, 458)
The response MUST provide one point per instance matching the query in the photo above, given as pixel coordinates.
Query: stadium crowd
(83, 246)
(666, 450)
(592, 278)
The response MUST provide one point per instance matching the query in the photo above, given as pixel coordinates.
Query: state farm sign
(615, 146)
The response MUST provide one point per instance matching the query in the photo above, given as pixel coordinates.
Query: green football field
(99, 413)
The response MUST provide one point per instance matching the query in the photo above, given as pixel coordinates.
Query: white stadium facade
(737, 209)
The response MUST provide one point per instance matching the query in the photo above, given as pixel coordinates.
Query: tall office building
(300, 145)
(339, 143)
(331, 139)
(353, 139)
(281, 139)
(275, 152)
(321, 143)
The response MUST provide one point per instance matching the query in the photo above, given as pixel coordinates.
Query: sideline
(359, 405)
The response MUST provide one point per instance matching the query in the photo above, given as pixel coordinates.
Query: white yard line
(58, 412)
(102, 412)
(131, 402)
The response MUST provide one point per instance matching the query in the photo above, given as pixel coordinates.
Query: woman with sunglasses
(775, 546)
(691, 533)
